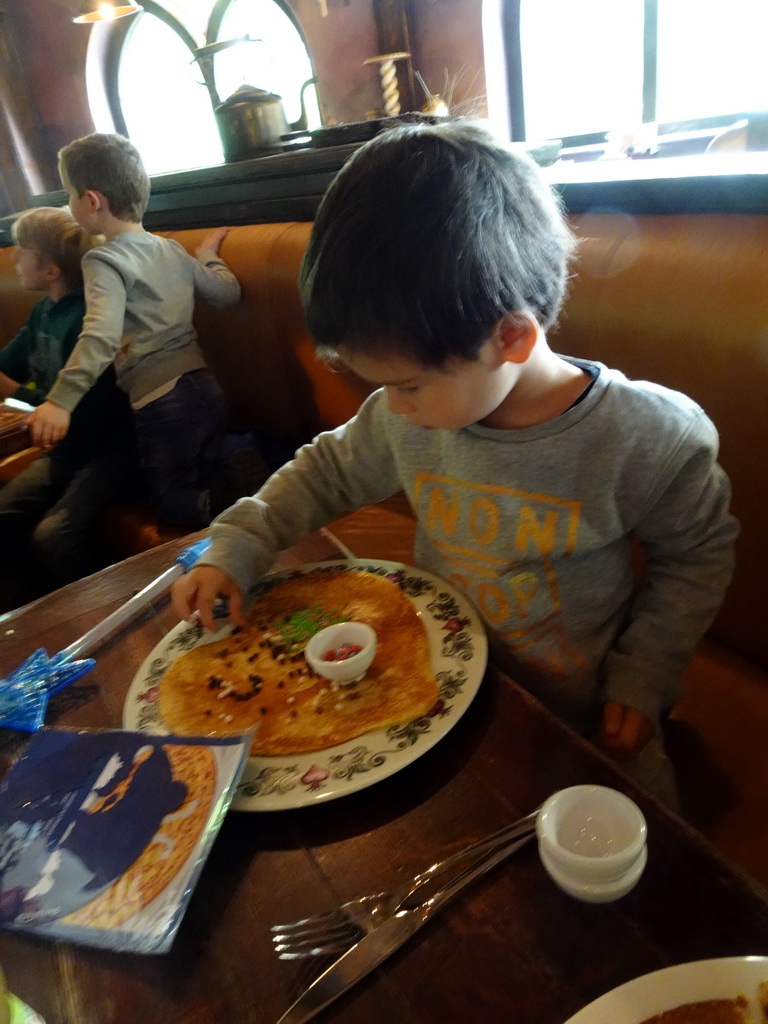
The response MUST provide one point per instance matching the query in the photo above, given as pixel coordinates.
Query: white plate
(458, 650)
(644, 997)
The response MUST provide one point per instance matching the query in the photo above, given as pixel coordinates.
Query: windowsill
(645, 168)
(290, 186)
(711, 183)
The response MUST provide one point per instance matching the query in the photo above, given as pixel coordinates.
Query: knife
(375, 947)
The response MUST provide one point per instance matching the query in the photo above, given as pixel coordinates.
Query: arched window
(155, 91)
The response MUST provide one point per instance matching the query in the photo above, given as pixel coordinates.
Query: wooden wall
(43, 100)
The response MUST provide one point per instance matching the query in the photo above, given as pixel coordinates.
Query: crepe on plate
(259, 674)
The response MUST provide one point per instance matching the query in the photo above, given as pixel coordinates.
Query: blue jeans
(47, 514)
(181, 438)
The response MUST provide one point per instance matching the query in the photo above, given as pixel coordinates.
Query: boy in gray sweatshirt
(140, 290)
(437, 262)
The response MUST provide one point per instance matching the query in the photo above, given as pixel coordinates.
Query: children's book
(103, 833)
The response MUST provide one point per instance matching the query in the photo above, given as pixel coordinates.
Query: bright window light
(165, 105)
(582, 66)
(279, 62)
(711, 58)
(167, 113)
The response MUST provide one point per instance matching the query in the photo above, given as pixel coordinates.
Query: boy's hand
(623, 731)
(212, 240)
(48, 424)
(197, 591)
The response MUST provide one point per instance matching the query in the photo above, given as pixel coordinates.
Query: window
(168, 118)
(155, 89)
(585, 76)
(685, 69)
(710, 58)
(278, 61)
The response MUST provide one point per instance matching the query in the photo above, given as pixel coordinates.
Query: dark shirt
(102, 422)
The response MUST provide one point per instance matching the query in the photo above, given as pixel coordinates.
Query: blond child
(47, 511)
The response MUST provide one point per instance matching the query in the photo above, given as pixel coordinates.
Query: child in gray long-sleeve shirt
(437, 262)
(140, 290)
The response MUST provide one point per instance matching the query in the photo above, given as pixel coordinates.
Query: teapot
(252, 120)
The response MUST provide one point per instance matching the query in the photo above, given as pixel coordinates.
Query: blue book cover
(104, 833)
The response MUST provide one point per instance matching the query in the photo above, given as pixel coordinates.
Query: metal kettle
(252, 120)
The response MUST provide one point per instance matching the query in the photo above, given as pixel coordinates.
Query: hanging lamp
(105, 10)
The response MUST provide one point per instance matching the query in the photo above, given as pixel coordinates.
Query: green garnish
(297, 629)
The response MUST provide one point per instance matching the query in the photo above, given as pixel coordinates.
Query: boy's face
(79, 206)
(460, 392)
(35, 274)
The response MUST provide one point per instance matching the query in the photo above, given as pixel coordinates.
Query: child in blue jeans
(140, 291)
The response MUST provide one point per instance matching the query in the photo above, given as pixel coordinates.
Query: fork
(334, 931)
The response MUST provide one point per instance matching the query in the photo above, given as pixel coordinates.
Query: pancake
(713, 1011)
(164, 856)
(259, 676)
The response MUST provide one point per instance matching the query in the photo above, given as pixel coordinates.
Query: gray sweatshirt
(139, 292)
(535, 525)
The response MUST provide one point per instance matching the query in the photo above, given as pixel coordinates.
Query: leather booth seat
(680, 300)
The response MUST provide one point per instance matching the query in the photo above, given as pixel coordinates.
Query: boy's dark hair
(55, 237)
(109, 164)
(428, 236)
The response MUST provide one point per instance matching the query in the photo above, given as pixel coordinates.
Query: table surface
(512, 947)
(14, 436)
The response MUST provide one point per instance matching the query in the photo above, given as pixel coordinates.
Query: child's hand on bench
(212, 240)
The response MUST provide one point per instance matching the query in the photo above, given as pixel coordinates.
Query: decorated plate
(458, 651)
(697, 981)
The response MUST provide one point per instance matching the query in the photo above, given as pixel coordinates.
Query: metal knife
(375, 947)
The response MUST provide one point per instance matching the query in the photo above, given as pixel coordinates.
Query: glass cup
(592, 842)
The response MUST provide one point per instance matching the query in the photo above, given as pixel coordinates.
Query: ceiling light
(105, 10)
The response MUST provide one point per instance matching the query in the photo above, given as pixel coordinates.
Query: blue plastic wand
(24, 694)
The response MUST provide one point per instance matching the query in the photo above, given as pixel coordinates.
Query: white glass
(592, 841)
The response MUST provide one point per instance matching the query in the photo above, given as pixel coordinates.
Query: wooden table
(513, 948)
(13, 430)
(16, 449)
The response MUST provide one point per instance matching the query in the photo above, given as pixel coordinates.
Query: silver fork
(336, 930)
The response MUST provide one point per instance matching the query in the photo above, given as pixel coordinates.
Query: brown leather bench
(681, 300)
(259, 351)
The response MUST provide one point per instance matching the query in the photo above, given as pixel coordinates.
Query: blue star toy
(25, 693)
